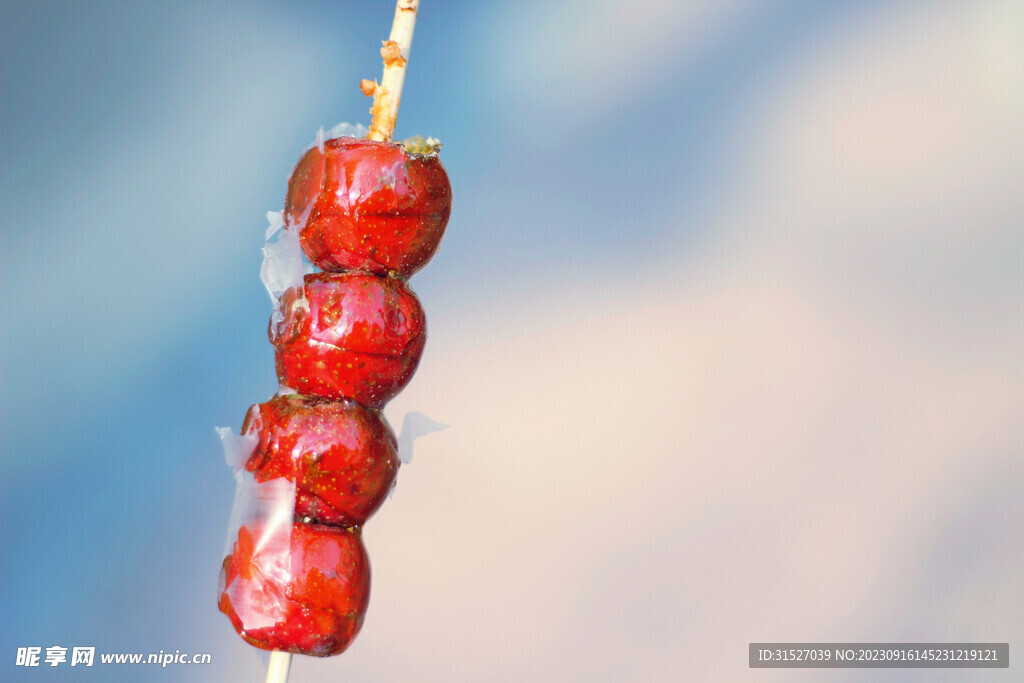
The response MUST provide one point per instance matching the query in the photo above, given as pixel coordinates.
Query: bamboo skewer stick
(388, 94)
(280, 664)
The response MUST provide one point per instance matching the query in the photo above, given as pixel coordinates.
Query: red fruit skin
(343, 457)
(304, 187)
(369, 205)
(349, 335)
(305, 594)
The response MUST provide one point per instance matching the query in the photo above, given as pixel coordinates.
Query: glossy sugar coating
(343, 457)
(348, 340)
(349, 335)
(369, 205)
(297, 588)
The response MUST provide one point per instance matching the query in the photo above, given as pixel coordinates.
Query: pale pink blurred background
(810, 429)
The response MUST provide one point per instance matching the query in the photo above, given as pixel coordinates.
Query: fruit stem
(280, 664)
(388, 95)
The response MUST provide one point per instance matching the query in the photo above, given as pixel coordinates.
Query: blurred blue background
(727, 324)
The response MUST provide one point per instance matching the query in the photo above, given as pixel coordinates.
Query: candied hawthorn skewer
(371, 213)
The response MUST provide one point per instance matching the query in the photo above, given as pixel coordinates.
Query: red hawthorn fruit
(369, 205)
(342, 456)
(305, 592)
(349, 335)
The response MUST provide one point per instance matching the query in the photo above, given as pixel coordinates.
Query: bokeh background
(727, 325)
